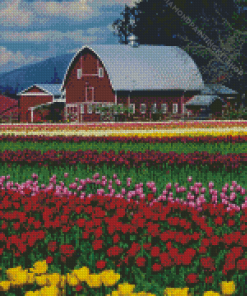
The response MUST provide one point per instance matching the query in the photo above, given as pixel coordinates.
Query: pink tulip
(123, 191)
(231, 188)
(118, 182)
(203, 190)
(232, 196)
(234, 183)
(154, 189)
(103, 183)
(114, 176)
(222, 195)
(242, 191)
(176, 185)
(211, 191)
(189, 179)
(103, 177)
(96, 176)
(128, 184)
(164, 192)
(210, 184)
(168, 186)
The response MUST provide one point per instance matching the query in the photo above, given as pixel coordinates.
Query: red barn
(8, 109)
(143, 77)
(35, 96)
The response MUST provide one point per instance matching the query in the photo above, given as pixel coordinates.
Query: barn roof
(51, 89)
(145, 67)
(7, 103)
(213, 89)
(202, 100)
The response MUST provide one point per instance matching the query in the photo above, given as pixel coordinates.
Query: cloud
(47, 36)
(7, 56)
(13, 15)
(77, 10)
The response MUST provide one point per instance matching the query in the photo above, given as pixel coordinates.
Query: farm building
(8, 109)
(38, 96)
(144, 78)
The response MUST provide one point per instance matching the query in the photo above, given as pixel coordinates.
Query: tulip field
(123, 209)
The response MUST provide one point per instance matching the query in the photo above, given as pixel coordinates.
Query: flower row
(52, 283)
(133, 139)
(128, 126)
(214, 161)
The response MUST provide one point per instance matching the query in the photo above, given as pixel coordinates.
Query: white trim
(145, 108)
(92, 94)
(79, 73)
(115, 97)
(164, 109)
(91, 107)
(81, 108)
(73, 59)
(25, 90)
(133, 105)
(174, 110)
(121, 106)
(99, 72)
(36, 94)
(154, 106)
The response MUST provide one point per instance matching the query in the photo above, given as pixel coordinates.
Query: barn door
(89, 94)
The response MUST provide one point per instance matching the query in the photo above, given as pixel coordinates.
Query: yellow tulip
(41, 280)
(30, 278)
(82, 273)
(62, 282)
(115, 293)
(176, 292)
(51, 291)
(4, 285)
(228, 288)
(109, 278)
(12, 272)
(211, 293)
(29, 293)
(72, 280)
(54, 279)
(94, 281)
(125, 288)
(40, 267)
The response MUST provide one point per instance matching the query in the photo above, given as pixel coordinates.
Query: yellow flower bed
(54, 284)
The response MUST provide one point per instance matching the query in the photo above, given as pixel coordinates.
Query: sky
(35, 30)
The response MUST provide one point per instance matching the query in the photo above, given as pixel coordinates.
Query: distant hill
(51, 70)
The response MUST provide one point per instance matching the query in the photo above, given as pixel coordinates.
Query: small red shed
(36, 96)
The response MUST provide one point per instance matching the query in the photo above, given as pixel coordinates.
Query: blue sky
(34, 30)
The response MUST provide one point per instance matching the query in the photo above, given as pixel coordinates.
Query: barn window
(89, 109)
(97, 111)
(79, 73)
(132, 107)
(175, 108)
(82, 109)
(101, 72)
(143, 108)
(163, 108)
(154, 108)
(121, 105)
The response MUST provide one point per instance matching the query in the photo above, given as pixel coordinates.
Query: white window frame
(153, 107)
(164, 110)
(122, 107)
(174, 108)
(133, 107)
(145, 108)
(92, 88)
(91, 107)
(79, 73)
(101, 72)
(97, 111)
(82, 108)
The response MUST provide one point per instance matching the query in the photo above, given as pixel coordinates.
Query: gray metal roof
(146, 67)
(202, 100)
(213, 89)
(54, 89)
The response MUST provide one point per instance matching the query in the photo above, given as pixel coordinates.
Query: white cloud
(73, 10)
(7, 56)
(46, 36)
(13, 15)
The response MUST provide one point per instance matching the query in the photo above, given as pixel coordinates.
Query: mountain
(51, 70)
